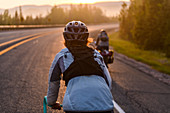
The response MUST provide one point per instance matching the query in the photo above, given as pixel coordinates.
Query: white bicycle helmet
(76, 31)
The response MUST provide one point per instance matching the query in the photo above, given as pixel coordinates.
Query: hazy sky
(12, 3)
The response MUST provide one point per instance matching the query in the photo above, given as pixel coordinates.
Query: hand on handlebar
(56, 106)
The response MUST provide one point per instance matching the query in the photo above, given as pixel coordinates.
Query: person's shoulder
(96, 52)
(62, 52)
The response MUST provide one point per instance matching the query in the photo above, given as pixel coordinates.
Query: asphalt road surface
(24, 76)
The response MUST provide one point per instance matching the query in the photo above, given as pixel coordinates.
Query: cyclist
(102, 42)
(84, 72)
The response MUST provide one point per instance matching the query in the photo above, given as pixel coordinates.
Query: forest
(147, 24)
(57, 15)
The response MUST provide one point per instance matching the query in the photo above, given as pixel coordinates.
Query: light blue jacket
(83, 93)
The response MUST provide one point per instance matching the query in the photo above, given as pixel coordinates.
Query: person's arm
(104, 68)
(97, 42)
(109, 79)
(108, 38)
(54, 82)
(107, 74)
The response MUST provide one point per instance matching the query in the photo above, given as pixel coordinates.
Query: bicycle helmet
(76, 31)
(102, 30)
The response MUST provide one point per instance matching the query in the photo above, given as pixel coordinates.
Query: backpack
(83, 65)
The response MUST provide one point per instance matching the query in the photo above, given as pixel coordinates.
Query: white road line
(117, 107)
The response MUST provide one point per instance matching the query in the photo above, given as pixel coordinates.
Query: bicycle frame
(45, 104)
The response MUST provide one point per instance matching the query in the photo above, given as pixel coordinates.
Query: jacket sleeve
(97, 42)
(106, 72)
(54, 81)
(107, 37)
(104, 68)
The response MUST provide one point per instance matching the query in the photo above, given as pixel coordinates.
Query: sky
(6, 4)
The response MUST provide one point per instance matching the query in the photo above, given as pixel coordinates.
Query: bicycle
(45, 105)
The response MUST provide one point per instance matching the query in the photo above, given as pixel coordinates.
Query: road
(137, 92)
(24, 76)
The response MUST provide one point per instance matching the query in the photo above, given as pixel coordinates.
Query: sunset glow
(83, 1)
(13, 3)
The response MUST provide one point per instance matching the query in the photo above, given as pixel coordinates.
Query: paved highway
(137, 92)
(24, 76)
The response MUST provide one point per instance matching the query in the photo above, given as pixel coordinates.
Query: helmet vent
(69, 29)
(76, 23)
(82, 30)
(76, 30)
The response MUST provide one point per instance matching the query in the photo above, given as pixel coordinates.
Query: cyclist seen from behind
(102, 42)
(84, 72)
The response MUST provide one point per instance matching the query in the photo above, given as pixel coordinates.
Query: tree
(21, 16)
(6, 18)
(16, 18)
(166, 26)
(122, 21)
(87, 14)
(29, 20)
(146, 23)
(1, 19)
(57, 15)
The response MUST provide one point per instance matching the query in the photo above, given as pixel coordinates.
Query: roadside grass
(155, 59)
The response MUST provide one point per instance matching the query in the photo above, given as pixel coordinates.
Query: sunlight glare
(84, 1)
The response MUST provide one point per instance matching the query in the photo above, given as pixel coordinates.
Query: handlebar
(45, 105)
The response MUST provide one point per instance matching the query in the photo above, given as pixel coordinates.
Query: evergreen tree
(29, 20)
(16, 18)
(21, 15)
(1, 19)
(57, 16)
(146, 23)
(6, 18)
(122, 21)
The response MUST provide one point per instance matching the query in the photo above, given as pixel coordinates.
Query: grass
(155, 59)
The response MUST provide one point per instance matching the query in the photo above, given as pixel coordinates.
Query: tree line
(147, 23)
(58, 15)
